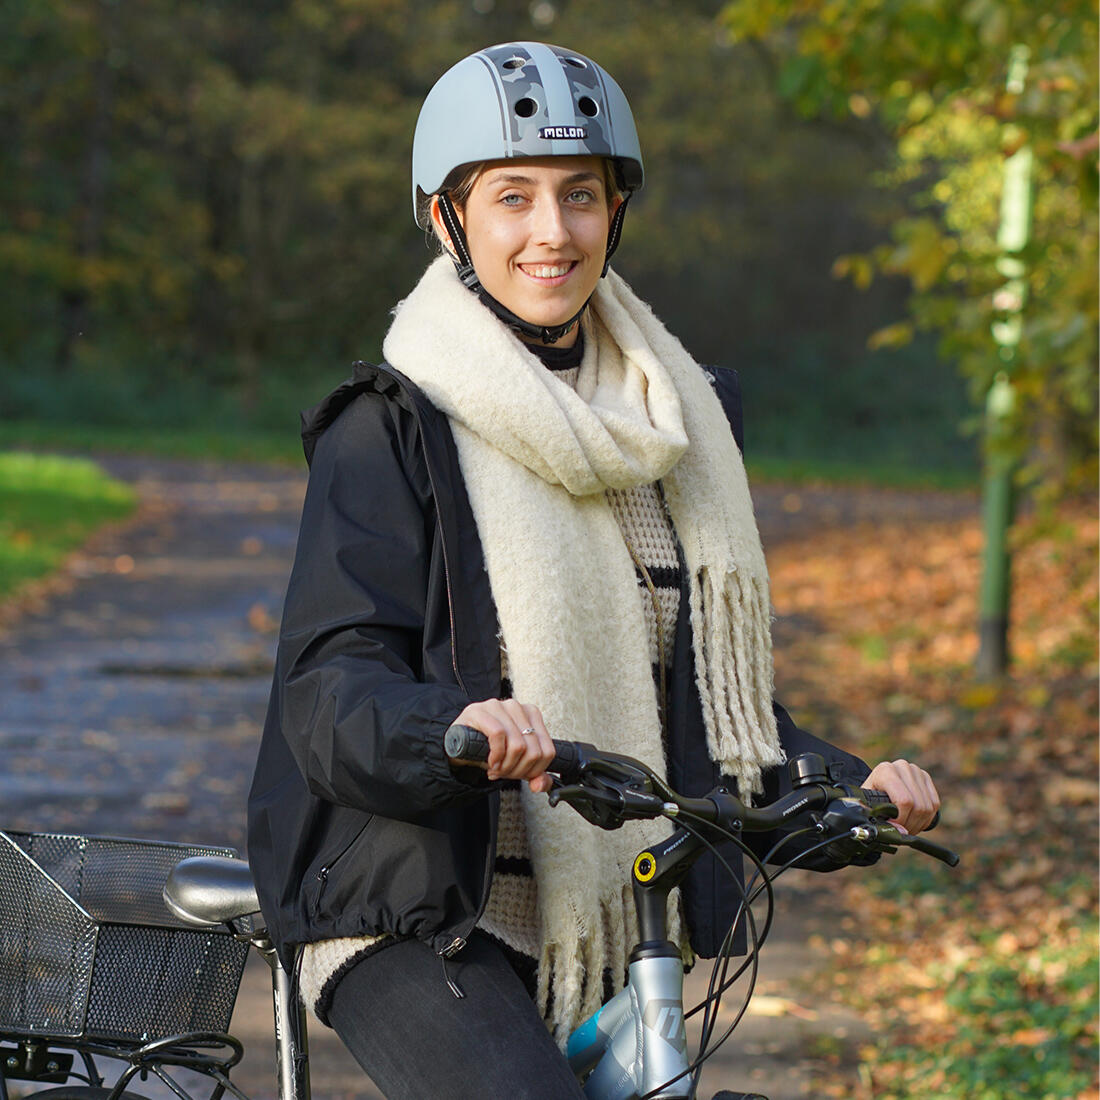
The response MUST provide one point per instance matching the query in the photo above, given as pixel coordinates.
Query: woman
(533, 521)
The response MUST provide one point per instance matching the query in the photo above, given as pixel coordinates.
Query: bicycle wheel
(79, 1092)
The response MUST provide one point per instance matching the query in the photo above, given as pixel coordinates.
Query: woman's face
(537, 233)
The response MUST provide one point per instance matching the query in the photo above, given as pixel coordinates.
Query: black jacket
(357, 823)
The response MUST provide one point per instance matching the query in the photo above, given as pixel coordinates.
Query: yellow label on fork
(645, 866)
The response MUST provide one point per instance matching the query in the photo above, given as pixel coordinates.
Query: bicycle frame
(636, 1043)
(648, 1011)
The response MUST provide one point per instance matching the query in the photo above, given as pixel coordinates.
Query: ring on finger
(529, 730)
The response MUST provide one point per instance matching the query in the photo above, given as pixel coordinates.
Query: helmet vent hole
(588, 106)
(526, 107)
(514, 63)
(576, 62)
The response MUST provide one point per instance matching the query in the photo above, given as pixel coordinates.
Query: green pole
(1001, 459)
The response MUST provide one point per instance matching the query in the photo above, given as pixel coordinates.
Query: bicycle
(633, 1048)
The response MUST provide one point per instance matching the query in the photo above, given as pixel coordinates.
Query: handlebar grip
(471, 746)
(466, 744)
(871, 797)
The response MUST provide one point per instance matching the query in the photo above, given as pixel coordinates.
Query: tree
(931, 75)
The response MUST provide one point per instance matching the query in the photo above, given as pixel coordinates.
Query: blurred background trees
(205, 210)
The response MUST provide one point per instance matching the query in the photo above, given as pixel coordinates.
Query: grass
(230, 445)
(48, 506)
(1020, 1024)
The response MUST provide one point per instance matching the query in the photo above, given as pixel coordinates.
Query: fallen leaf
(764, 1004)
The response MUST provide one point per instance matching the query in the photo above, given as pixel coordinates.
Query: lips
(548, 271)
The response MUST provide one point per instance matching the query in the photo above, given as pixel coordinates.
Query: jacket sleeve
(363, 722)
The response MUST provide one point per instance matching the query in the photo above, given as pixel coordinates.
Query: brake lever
(608, 806)
(598, 806)
(896, 838)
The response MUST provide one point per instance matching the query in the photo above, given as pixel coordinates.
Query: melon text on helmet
(576, 132)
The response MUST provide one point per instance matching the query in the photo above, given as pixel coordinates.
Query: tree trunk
(92, 197)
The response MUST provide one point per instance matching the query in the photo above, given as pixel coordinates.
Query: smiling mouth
(548, 272)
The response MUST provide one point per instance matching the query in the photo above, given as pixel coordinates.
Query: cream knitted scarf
(536, 457)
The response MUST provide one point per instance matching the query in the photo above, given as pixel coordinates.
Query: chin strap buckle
(468, 276)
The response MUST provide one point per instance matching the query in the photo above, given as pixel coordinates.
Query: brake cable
(706, 1051)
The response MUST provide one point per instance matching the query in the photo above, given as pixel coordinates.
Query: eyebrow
(577, 177)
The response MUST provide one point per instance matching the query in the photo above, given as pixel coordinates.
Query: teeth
(545, 271)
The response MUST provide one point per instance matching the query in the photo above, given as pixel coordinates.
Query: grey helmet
(521, 99)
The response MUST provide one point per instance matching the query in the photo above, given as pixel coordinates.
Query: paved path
(132, 691)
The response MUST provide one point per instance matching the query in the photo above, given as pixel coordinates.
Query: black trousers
(396, 1014)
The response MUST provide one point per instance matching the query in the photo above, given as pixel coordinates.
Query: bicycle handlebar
(608, 789)
(466, 745)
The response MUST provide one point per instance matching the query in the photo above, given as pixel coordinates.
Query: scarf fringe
(734, 677)
(577, 965)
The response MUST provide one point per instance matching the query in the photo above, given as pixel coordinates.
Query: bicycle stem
(657, 871)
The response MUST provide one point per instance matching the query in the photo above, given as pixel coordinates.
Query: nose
(550, 226)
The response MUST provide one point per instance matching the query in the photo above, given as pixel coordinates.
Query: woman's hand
(910, 789)
(519, 746)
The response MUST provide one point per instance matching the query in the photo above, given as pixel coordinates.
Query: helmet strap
(462, 261)
(464, 265)
(615, 232)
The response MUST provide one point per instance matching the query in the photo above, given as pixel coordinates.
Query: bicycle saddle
(207, 890)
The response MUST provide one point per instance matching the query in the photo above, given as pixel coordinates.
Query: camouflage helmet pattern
(521, 99)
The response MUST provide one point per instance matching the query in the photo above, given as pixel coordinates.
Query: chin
(549, 317)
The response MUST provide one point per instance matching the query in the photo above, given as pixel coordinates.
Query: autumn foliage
(980, 981)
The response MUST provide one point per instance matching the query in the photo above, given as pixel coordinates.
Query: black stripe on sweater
(514, 865)
(662, 576)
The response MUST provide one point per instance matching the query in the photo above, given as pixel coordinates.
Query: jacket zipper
(459, 942)
(450, 605)
(448, 952)
(446, 568)
(453, 948)
(323, 872)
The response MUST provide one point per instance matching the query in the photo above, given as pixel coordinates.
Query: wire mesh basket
(89, 950)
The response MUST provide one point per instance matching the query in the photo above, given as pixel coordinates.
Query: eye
(511, 199)
(581, 194)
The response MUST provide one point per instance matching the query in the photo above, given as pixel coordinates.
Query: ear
(441, 227)
(614, 205)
